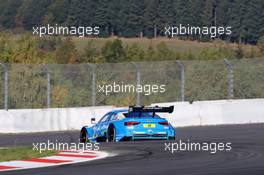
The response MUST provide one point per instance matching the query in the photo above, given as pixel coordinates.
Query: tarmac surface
(150, 157)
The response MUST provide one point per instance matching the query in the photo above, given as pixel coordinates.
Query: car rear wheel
(172, 138)
(84, 136)
(111, 134)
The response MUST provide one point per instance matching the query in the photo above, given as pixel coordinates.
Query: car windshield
(142, 114)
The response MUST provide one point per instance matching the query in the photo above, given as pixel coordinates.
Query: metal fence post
(48, 89)
(230, 79)
(182, 76)
(138, 79)
(93, 86)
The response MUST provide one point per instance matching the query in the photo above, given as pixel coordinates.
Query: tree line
(138, 18)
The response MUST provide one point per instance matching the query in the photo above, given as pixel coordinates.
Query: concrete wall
(39, 120)
(216, 112)
(185, 114)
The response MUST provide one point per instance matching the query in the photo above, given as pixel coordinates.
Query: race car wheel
(111, 134)
(83, 136)
(172, 138)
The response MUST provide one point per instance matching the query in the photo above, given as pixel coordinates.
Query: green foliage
(207, 54)
(103, 17)
(261, 45)
(8, 12)
(113, 51)
(91, 54)
(188, 55)
(48, 44)
(150, 17)
(71, 85)
(205, 80)
(65, 52)
(163, 52)
(239, 53)
(80, 12)
(27, 86)
(220, 52)
(6, 49)
(31, 13)
(23, 153)
(150, 53)
(135, 53)
(139, 17)
(135, 21)
(27, 51)
(62, 50)
(165, 14)
(57, 12)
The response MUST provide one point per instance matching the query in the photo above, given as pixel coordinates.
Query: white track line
(62, 158)
(24, 164)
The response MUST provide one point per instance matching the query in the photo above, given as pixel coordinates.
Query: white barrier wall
(185, 114)
(215, 112)
(40, 120)
(244, 111)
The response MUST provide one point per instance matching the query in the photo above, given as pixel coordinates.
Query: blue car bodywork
(119, 125)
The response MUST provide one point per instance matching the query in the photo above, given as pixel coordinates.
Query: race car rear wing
(151, 109)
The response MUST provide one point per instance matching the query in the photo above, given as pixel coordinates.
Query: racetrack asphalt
(149, 157)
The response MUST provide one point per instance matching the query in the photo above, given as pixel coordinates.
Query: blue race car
(133, 124)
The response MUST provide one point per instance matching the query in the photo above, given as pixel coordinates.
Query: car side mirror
(93, 121)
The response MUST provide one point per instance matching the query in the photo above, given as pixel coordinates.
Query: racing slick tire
(84, 136)
(172, 138)
(111, 134)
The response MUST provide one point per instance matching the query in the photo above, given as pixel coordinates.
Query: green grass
(22, 153)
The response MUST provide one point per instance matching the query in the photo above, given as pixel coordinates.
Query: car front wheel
(84, 136)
